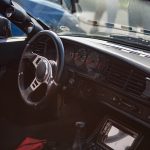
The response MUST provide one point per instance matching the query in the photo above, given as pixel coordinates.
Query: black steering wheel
(46, 72)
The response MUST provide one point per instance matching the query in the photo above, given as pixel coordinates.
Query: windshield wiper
(131, 40)
(137, 42)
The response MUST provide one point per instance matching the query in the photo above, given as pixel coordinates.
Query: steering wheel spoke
(36, 60)
(51, 85)
(54, 67)
(53, 63)
(27, 92)
(35, 84)
(33, 57)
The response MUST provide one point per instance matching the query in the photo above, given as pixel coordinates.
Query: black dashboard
(104, 74)
(115, 75)
(111, 74)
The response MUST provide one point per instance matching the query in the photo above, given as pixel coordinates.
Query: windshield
(93, 17)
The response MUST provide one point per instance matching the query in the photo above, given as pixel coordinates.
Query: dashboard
(106, 73)
(114, 75)
(109, 76)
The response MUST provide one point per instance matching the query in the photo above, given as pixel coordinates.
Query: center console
(111, 135)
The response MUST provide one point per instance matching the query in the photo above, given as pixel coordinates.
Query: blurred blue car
(51, 13)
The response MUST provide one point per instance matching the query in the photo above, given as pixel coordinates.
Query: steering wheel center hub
(42, 70)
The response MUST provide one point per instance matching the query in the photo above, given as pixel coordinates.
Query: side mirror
(5, 28)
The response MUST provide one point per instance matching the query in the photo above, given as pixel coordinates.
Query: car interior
(70, 92)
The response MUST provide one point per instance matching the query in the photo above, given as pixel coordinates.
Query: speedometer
(92, 61)
(80, 57)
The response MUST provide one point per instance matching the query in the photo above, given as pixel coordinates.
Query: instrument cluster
(88, 61)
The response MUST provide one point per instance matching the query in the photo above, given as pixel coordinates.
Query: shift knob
(78, 140)
(80, 124)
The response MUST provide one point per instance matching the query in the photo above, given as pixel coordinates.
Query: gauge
(103, 64)
(92, 61)
(69, 55)
(80, 57)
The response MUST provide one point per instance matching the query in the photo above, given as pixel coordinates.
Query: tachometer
(80, 57)
(69, 55)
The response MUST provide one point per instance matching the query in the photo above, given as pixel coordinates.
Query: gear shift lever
(77, 145)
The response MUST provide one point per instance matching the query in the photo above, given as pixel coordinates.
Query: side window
(5, 28)
(16, 31)
(8, 29)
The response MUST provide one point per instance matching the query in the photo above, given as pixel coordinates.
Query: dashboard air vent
(136, 83)
(124, 77)
(117, 74)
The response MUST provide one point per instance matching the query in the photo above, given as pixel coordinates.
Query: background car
(51, 13)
